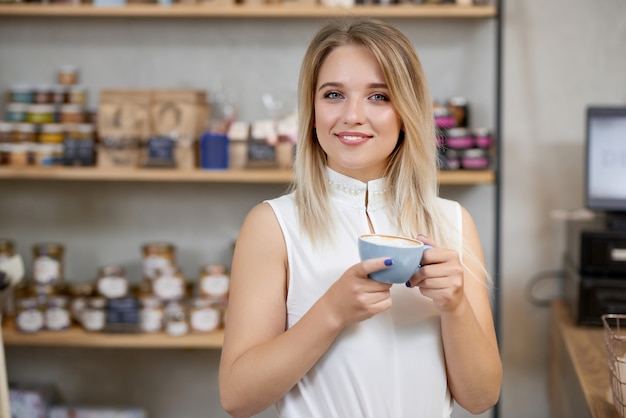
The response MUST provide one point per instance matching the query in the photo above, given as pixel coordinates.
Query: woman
(307, 329)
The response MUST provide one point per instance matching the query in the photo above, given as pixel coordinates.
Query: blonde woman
(307, 329)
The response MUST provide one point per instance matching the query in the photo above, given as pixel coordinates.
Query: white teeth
(351, 138)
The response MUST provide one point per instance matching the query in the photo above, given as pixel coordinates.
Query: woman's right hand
(355, 297)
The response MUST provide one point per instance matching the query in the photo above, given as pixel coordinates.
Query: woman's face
(356, 124)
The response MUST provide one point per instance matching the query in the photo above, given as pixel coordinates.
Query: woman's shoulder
(450, 208)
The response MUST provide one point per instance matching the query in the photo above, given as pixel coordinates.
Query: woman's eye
(332, 95)
(379, 97)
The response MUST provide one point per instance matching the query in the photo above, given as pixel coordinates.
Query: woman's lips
(352, 138)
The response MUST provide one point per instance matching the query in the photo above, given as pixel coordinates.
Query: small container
(79, 294)
(459, 138)
(238, 136)
(77, 95)
(112, 282)
(203, 316)
(214, 283)
(42, 94)
(475, 159)
(459, 108)
(67, 75)
(72, 113)
(59, 94)
(482, 138)
(48, 263)
(57, 314)
(17, 155)
(151, 315)
(94, 315)
(444, 118)
(41, 113)
(47, 155)
(51, 133)
(25, 132)
(169, 284)
(7, 249)
(17, 112)
(156, 256)
(176, 320)
(5, 153)
(214, 151)
(21, 93)
(452, 159)
(6, 132)
(29, 315)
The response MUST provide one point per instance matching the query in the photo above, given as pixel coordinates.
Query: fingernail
(389, 262)
(421, 235)
(408, 283)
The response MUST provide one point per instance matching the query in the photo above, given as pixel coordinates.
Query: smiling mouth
(353, 138)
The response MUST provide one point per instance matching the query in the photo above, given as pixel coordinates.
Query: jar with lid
(25, 132)
(459, 108)
(57, 314)
(77, 95)
(47, 155)
(48, 263)
(41, 113)
(59, 94)
(71, 113)
(21, 93)
(79, 145)
(7, 249)
(169, 284)
(17, 112)
(176, 319)
(42, 94)
(6, 132)
(151, 315)
(204, 316)
(94, 315)
(156, 256)
(238, 136)
(112, 282)
(459, 138)
(17, 155)
(67, 75)
(29, 316)
(214, 282)
(482, 137)
(52, 133)
(79, 294)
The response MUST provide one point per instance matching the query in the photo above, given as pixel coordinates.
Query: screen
(606, 159)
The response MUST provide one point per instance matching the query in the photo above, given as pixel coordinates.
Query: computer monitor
(605, 178)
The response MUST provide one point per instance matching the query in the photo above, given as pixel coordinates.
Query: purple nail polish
(389, 262)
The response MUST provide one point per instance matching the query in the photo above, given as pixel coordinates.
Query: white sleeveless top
(389, 366)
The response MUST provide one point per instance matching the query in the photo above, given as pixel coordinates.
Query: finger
(375, 264)
(423, 238)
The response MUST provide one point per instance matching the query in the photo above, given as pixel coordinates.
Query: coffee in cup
(406, 254)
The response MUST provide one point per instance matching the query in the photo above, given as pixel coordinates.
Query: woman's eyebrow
(369, 86)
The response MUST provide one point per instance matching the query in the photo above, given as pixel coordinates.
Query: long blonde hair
(411, 174)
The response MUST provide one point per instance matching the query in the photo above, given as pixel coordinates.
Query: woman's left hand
(441, 276)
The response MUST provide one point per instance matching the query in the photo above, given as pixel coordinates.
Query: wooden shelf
(246, 11)
(77, 337)
(456, 177)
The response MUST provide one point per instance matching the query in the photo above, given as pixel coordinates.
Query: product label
(30, 321)
(151, 320)
(46, 270)
(169, 287)
(113, 287)
(177, 328)
(215, 285)
(205, 320)
(153, 263)
(93, 319)
(57, 319)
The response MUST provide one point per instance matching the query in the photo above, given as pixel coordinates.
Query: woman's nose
(354, 112)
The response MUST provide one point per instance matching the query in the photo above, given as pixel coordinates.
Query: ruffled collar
(354, 192)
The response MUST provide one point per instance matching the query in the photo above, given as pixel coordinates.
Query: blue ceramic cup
(406, 254)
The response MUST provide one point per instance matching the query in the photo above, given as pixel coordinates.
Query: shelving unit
(453, 177)
(145, 182)
(246, 11)
(77, 337)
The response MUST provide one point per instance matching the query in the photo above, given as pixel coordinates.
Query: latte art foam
(391, 241)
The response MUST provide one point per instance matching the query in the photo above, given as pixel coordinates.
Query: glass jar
(151, 315)
(169, 284)
(29, 316)
(47, 155)
(238, 136)
(72, 113)
(176, 319)
(21, 93)
(93, 317)
(7, 249)
(214, 282)
(482, 137)
(6, 132)
(59, 94)
(77, 95)
(203, 315)
(42, 94)
(459, 138)
(156, 256)
(18, 155)
(57, 314)
(67, 75)
(51, 133)
(79, 294)
(17, 112)
(25, 132)
(40, 113)
(48, 263)
(112, 282)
